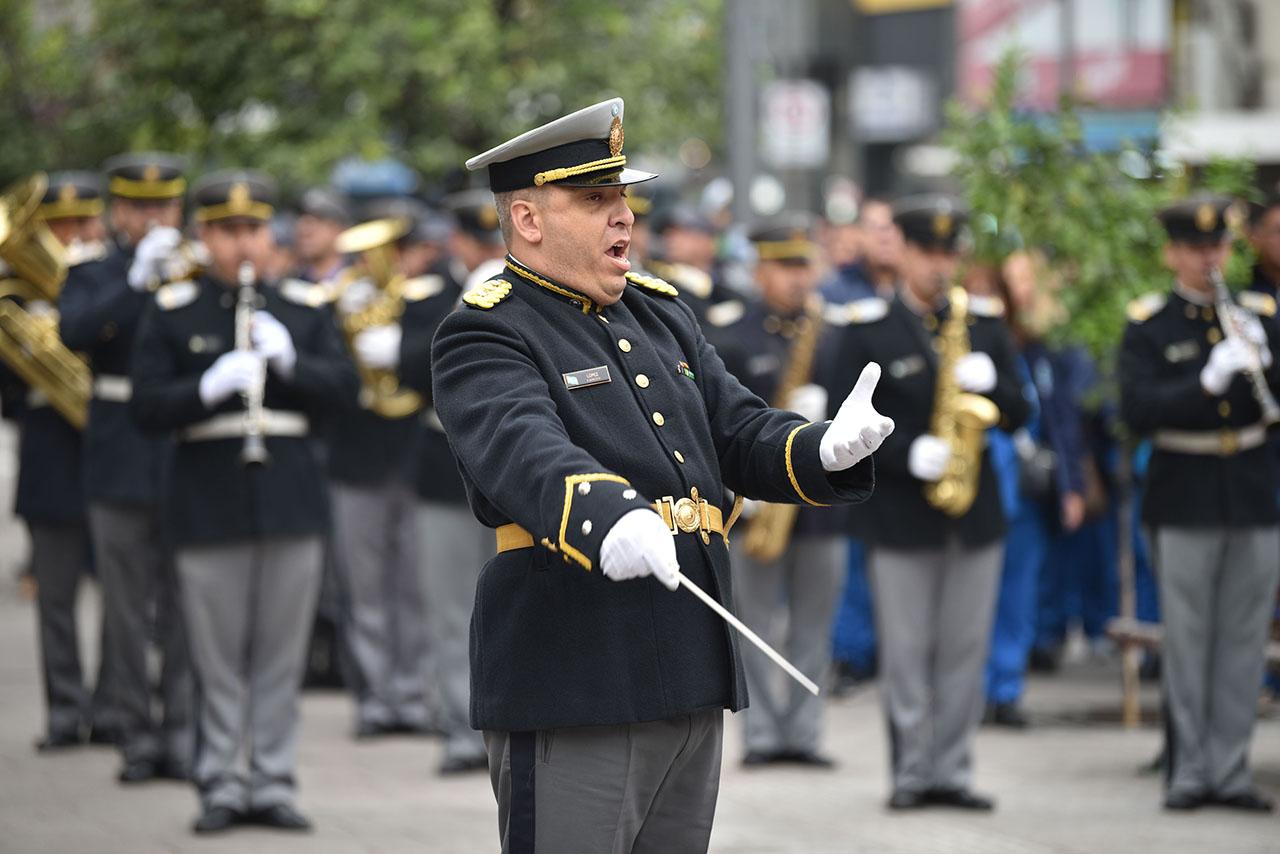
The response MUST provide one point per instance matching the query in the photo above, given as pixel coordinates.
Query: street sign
(796, 121)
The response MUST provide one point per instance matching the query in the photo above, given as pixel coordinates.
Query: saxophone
(380, 389)
(959, 418)
(769, 530)
(29, 341)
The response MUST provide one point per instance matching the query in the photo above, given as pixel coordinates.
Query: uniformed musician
(476, 243)
(1193, 380)
(685, 255)
(934, 575)
(247, 529)
(101, 304)
(598, 433)
(771, 344)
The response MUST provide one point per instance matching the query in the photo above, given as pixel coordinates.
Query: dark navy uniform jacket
(756, 346)
(438, 478)
(565, 454)
(1165, 347)
(888, 332)
(99, 317)
(212, 497)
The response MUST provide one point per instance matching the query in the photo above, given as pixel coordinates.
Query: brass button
(624, 345)
(642, 381)
(658, 419)
(1224, 409)
(679, 456)
(1214, 335)
(1190, 311)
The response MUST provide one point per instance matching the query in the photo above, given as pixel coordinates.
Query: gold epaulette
(301, 292)
(176, 294)
(487, 294)
(422, 287)
(1263, 305)
(653, 284)
(985, 306)
(1141, 309)
(859, 311)
(726, 313)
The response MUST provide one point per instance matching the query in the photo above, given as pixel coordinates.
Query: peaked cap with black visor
(582, 149)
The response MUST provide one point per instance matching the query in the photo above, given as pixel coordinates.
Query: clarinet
(254, 451)
(1231, 328)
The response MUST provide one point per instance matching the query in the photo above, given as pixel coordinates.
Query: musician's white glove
(1227, 358)
(809, 402)
(273, 342)
(153, 250)
(928, 457)
(379, 346)
(976, 372)
(1251, 330)
(233, 373)
(857, 430)
(356, 296)
(640, 544)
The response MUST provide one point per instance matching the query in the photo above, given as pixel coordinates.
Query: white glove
(234, 373)
(928, 457)
(640, 544)
(149, 258)
(1226, 359)
(356, 296)
(272, 341)
(809, 402)
(857, 430)
(1251, 330)
(976, 372)
(379, 346)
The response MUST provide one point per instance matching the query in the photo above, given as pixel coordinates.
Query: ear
(526, 219)
(1169, 255)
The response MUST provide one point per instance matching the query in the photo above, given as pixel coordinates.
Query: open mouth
(617, 253)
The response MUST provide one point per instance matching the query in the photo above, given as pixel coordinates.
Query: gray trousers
(139, 591)
(453, 548)
(249, 608)
(803, 586)
(375, 535)
(59, 559)
(1217, 593)
(933, 614)
(645, 788)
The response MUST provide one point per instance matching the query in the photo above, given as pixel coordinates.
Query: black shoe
(138, 771)
(756, 758)
(55, 741)
(1005, 715)
(1184, 801)
(174, 769)
(1247, 801)
(961, 799)
(849, 678)
(216, 820)
(463, 765)
(107, 736)
(1044, 659)
(281, 817)
(811, 758)
(373, 729)
(905, 799)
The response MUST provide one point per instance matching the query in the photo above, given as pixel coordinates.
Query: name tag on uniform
(906, 366)
(587, 378)
(1182, 351)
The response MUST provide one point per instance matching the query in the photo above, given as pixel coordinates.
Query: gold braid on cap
(569, 171)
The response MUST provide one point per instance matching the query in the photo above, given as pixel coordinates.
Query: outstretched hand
(857, 430)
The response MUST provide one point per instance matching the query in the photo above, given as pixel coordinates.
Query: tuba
(380, 389)
(29, 341)
(769, 529)
(959, 418)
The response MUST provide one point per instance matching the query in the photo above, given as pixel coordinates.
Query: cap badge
(942, 225)
(1206, 217)
(67, 193)
(151, 173)
(615, 137)
(238, 197)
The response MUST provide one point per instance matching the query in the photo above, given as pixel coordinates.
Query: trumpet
(188, 259)
(1229, 314)
(254, 452)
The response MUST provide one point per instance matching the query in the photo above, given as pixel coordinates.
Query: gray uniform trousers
(249, 607)
(804, 585)
(1217, 593)
(646, 788)
(138, 586)
(933, 615)
(59, 559)
(375, 535)
(453, 548)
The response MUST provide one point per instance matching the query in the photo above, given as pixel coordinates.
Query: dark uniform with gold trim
(100, 312)
(248, 538)
(565, 416)
(1211, 508)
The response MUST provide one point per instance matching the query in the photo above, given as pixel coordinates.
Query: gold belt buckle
(685, 515)
(1230, 442)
